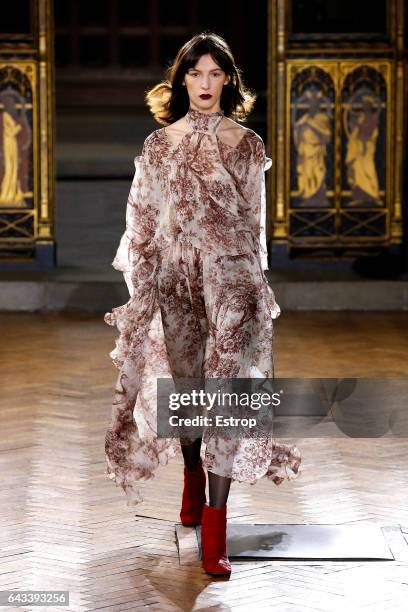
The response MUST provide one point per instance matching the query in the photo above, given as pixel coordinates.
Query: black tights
(218, 486)
(191, 453)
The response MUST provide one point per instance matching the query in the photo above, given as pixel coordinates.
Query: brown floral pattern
(193, 256)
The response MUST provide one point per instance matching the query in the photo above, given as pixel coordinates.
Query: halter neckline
(204, 122)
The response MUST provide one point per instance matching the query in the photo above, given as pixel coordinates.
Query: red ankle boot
(214, 541)
(193, 496)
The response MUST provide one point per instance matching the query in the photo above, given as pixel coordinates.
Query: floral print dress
(193, 256)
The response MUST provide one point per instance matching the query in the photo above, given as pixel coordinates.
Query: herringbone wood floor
(66, 526)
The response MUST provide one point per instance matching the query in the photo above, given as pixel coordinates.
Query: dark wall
(110, 56)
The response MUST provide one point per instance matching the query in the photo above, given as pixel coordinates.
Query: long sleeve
(262, 221)
(142, 216)
(255, 191)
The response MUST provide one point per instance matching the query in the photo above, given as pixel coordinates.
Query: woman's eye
(216, 74)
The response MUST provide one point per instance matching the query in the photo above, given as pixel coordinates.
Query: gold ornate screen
(336, 127)
(26, 141)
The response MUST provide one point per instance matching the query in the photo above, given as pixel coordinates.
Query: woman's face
(204, 84)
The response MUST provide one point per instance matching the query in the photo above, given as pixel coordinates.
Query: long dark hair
(169, 100)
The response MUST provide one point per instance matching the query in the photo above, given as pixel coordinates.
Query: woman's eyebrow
(212, 70)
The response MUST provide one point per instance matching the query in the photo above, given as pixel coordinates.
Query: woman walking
(193, 256)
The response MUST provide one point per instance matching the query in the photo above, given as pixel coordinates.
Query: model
(193, 256)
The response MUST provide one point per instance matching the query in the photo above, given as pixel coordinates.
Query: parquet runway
(65, 526)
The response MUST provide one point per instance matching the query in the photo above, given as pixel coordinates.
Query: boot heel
(214, 541)
(193, 499)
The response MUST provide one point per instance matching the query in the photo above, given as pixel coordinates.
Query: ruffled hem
(129, 479)
(285, 465)
(133, 451)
